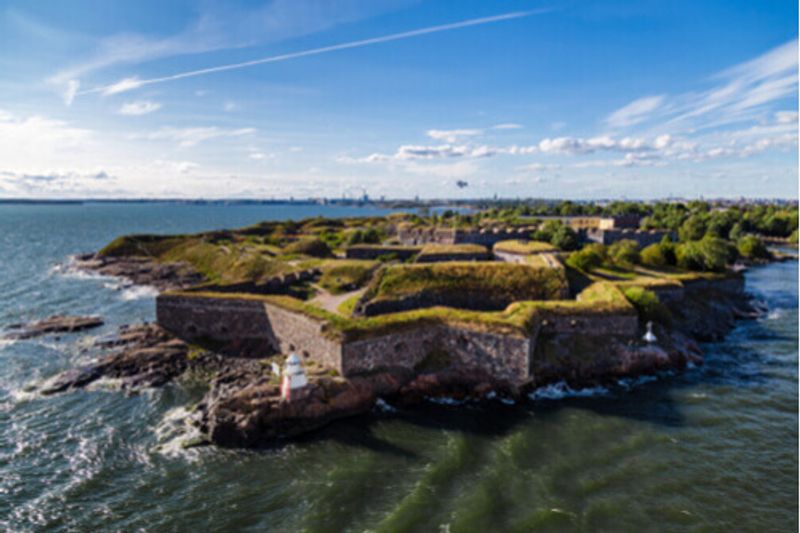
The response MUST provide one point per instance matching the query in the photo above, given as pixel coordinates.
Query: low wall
(591, 324)
(246, 322)
(460, 256)
(505, 357)
(374, 252)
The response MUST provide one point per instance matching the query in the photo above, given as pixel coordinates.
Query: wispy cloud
(507, 126)
(740, 93)
(187, 137)
(134, 82)
(452, 136)
(139, 107)
(635, 112)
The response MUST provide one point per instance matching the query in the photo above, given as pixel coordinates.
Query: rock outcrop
(142, 271)
(53, 324)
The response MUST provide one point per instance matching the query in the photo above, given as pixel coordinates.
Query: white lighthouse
(294, 377)
(649, 337)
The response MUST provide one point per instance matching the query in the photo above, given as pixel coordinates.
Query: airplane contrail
(128, 84)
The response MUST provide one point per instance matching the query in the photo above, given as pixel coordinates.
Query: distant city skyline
(398, 98)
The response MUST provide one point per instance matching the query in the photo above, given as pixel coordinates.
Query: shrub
(648, 305)
(590, 257)
(308, 246)
(692, 229)
(653, 255)
(624, 252)
(708, 254)
(752, 247)
(565, 238)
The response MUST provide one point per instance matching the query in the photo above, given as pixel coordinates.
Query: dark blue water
(712, 449)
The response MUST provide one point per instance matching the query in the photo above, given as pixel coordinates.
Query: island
(400, 309)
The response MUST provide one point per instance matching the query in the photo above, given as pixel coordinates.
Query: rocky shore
(141, 271)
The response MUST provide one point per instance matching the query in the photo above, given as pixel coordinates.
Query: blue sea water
(710, 449)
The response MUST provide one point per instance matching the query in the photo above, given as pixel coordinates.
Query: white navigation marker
(293, 377)
(649, 336)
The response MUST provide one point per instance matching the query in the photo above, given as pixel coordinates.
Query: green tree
(692, 229)
(752, 247)
(653, 255)
(565, 238)
(624, 252)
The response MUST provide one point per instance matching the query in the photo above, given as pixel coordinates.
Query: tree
(565, 238)
(590, 257)
(752, 247)
(736, 232)
(624, 252)
(653, 255)
(692, 229)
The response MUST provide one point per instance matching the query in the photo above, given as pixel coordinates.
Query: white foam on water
(138, 292)
(629, 383)
(381, 405)
(774, 315)
(444, 401)
(560, 390)
(174, 432)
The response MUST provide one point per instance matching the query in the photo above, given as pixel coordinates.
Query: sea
(713, 448)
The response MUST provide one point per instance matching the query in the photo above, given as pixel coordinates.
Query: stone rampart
(504, 357)
(374, 252)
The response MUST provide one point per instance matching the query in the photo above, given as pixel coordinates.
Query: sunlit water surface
(712, 449)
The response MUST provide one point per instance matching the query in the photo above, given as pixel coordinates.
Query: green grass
(452, 249)
(524, 247)
(346, 274)
(502, 280)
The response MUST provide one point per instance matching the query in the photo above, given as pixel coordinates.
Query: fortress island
(405, 308)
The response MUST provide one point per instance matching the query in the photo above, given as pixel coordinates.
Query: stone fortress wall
(502, 356)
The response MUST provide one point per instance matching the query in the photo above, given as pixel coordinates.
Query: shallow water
(711, 449)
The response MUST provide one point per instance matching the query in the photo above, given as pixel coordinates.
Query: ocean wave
(561, 390)
(138, 292)
(174, 432)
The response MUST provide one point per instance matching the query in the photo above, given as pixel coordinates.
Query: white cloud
(139, 107)
(230, 106)
(573, 145)
(635, 112)
(123, 85)
(452, 136)
(507, 126)
(786, 117)
(187, 137)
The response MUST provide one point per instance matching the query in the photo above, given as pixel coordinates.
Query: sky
(398, 98)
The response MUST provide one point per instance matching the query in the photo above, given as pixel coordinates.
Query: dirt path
(331, 302)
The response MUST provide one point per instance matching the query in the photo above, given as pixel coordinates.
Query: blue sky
(399, 98)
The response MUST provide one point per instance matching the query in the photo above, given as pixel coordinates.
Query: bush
(654, 255)
(692, 229)
(648, 305)
(590, 257)
(309, 246)
(624, 252)
(752, 247)
(565, 238)
(708, 254)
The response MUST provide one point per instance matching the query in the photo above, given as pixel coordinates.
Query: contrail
(128, 84)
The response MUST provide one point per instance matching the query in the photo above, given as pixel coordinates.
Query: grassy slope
(506, 280)
(524, 247)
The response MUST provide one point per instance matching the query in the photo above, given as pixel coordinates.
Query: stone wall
(505, 357)
(374, 252)
(591, 324)
(610, 236)
(239, 322)
(460, 256)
